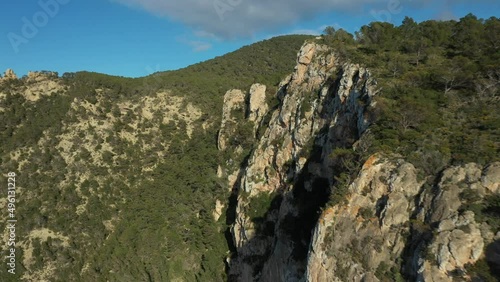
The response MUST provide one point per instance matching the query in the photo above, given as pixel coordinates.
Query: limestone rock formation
(491, 179)
(36, 84)
(257, 105)
(242, 116)
(217, 212)
(36, 76)
(458, 238)
(234, 100)
(41, 84)
(317, 111)
(351, 240)
(9, 74)
(383, 222)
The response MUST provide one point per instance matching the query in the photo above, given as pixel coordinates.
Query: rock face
(391, 218)
(238, 107)
(242, 116)
(352, 239)
(234, 100)
(35, 76)
(41, 84)
(8, 75)
(257, 105)
(217, 213)
(390, 226)
(36, 84)
(458, 239)
(491, 179)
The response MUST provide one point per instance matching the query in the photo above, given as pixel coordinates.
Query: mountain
(306, 209)
(298, 158)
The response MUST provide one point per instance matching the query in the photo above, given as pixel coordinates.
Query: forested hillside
(112, 186)
(439, 83)
(117, 178)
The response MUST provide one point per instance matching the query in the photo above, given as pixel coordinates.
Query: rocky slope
(390, 218)
(35, 84)
(121, 180)
(388, 224)
(116, 177)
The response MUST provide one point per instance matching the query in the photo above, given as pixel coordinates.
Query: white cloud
(240, 18)
(307, 31)
(223, 19)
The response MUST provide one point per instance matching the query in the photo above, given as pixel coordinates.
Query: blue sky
(138, 37)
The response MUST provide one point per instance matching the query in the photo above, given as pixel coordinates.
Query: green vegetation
(346, 164)
(134, 197)
(388, 274)
(259, 205)
(167, 216)
(481, 271)
(23, 124)
(305, 107)
(366, 213)
(440, 88)
(204, 84)
(485, 210)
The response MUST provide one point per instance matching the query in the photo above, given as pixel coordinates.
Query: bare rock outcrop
(390, 217)
(491, 178)
(319, 108)
(459, 239)
(37, 76)
(234, 100)
(36, 84)
(41, 84)
(351, 240)
(217, 212)
(8, 75)
(257, 105)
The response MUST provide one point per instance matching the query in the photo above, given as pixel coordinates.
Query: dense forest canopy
(439, 82)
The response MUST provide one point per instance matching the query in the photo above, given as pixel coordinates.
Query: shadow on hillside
(296, 228)
(232, 203)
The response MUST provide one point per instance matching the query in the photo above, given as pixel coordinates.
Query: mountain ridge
(368, 158)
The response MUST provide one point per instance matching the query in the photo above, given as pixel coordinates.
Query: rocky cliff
(391, 218)
(296, 217)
